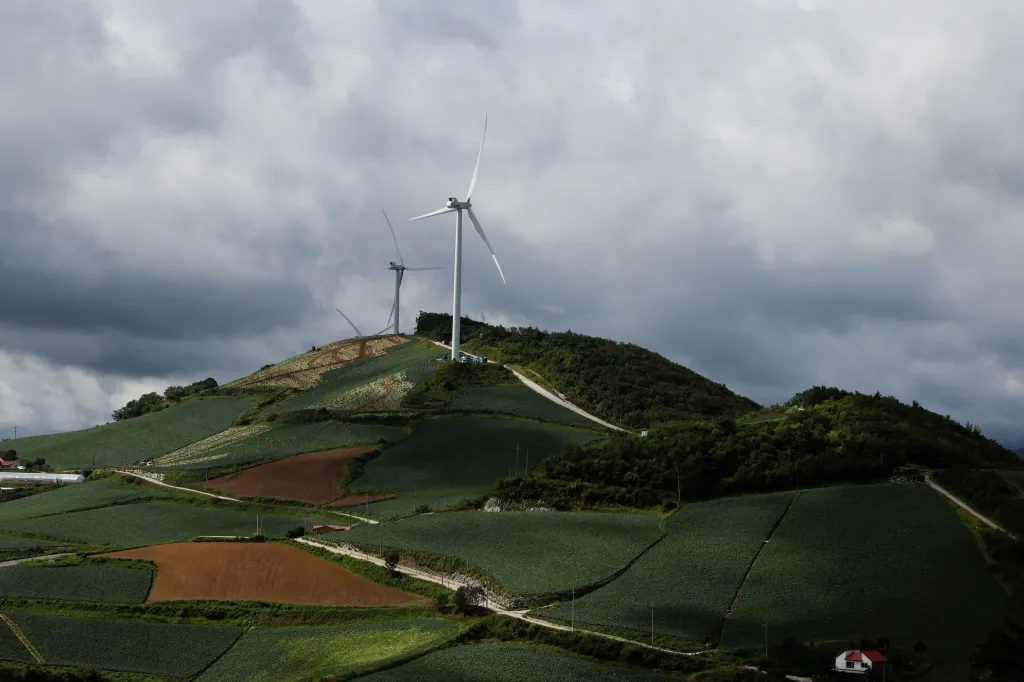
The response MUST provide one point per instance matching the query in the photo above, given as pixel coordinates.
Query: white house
(858, 662)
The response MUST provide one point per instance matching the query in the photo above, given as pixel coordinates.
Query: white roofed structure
(41, 477)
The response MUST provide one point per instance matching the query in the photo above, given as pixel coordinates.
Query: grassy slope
(866, 561)
(520, 401)
(71, 498)
(528, 552)
(412, 358)
(92, 583)
(129, 645)
(691, 576)
(297, 654)
(124, 442)
(509, 663)
(145, 524)
(296, 439)
(457, 458)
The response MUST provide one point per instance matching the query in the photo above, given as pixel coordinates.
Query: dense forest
(826, 436)
(621, 382)
(154, 402)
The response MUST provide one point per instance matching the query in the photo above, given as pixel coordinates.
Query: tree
(468, 597)
(442, 602)
(391, 560)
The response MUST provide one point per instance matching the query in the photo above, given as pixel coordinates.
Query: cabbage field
(87, 582)
(520, 401)
(73, 497)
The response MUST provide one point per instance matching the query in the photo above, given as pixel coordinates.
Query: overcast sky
(775, 193)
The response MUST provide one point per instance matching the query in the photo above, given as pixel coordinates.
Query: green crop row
(520, 401)
(88, 583)
(71, 498)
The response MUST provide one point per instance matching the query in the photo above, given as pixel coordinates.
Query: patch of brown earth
(258, 571)
(353, 500)
(303, 478)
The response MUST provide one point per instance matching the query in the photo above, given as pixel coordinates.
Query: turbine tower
(458, 207)
(399, 269)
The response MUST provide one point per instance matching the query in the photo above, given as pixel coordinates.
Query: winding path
(453, 583)
(970, 510)
(549, 395)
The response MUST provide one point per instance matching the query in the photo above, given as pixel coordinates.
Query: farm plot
(520, 401)
(530, 553)
(208, 449)
(692, 575)
(370, 384)
(862, 561)
(126, 645)
(147, 524)
(257, 571)
(295, 439)
(510, 663)
(131, 440)
(304, 371)
(307, 478)
(92, 583)
(71, 498)
(10, 648)
(287, 654)
(448, 460)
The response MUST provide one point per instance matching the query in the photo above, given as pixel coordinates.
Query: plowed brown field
(302, 478)
(257, 571)
(355, 500)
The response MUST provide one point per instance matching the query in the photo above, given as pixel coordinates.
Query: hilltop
(620, 382)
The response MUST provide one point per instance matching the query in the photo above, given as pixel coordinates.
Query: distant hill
(620, 382)
(1020, 451)
(824, 435)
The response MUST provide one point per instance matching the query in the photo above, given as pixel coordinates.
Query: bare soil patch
(354, 500)
(307, 478)
(250, 571)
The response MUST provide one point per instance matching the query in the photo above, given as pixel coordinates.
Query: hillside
(620, 382)
(825, 436)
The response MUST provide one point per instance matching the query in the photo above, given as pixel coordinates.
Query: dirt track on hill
(301, 478)
(258, 571)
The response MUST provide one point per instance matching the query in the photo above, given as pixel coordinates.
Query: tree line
(154, 402)
(620, 382)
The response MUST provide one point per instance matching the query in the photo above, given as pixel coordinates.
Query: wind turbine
(458, 207)
(399, 269)
(358, 333)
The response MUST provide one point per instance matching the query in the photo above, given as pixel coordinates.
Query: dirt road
(454, 584)
(549, 395)
(973, 512)
(15, 562)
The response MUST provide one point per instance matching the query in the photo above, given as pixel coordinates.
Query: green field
(530, 553)
(510, 663)
(296, 439)
(131, 440)
(133, 525)
(93, 583)
(691, 576)
(340, 388)
(127, 645)
(70, 498)
(295, 653)
(866, 561)
(520, 401)
(447, 460)
(10, 542)
(11, 649)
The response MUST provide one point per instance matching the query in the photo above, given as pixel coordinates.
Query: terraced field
(88, 582)
(209, 449)
(530, 553)
(307, 478)
(71, 498)
(298, 654)
(125, 442)
(371, 383)
(691, 576)
(11, 649)
(295, 439)
(148, 524)
(510, 663)
(447, 460)
(520, 401)
(127, 645)
(881, 559)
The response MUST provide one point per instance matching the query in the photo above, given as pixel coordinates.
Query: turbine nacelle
(455, 203)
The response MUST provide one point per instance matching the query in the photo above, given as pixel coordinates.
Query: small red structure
(328, 528)
(4, 464)
(858, 662)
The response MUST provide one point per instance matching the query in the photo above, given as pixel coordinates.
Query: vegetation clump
(153, 402)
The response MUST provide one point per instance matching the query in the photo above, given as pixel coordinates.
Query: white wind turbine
(458, 207)
(358, 333)
(399, 269)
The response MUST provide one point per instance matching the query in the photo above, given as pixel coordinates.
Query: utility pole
(15, 432)
(652, 622)
(766, 640)
(574, 609)
(366, 509)
(526, 470)
(517, 460)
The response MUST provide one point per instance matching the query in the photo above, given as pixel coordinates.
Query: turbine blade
(480, 231)
(394, 237)
(476, 169)
(383, 330)
(420, 269)
(390, 316)
(437, 212)
(358, 333)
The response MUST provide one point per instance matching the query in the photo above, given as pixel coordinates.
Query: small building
(8, 464)
(28, 477)
(858, 662)
(328, 528)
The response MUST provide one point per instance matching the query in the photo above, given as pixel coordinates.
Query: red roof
(872, 656)
(5, 463)
(853, 656)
